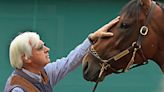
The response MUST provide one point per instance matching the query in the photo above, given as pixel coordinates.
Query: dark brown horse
(138, 36)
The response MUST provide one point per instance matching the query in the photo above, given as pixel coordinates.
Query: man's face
(40, 55)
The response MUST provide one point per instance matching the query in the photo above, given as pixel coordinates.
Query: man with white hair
(33, 70)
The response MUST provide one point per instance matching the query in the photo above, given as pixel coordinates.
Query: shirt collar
(33, 75)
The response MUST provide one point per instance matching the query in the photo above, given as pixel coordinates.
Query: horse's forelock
(131, 8)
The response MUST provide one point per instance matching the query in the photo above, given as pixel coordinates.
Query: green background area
(63, 24)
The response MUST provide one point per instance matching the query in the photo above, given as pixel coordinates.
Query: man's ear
(25, 59)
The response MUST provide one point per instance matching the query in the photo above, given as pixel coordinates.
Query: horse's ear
(145, 2)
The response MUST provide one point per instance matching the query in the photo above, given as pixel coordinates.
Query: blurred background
(64, 24)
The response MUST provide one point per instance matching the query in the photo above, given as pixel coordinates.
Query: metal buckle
(144, 30)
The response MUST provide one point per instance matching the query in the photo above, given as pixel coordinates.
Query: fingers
(102, 32)
(108, 26)
(107, 34)
(112, 23)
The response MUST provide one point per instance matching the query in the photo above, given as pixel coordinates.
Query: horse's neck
(159, 31)
(159, 59)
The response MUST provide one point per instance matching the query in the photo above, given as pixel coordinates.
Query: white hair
(22, 45)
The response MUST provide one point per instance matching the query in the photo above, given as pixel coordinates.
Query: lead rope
(104, 66)
(95, 86)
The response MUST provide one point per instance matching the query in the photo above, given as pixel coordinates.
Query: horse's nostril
(85, 70)
(85, 67)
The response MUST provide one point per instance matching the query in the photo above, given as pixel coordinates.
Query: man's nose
(47, 49)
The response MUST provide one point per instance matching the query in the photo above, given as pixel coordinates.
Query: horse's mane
(161, 5)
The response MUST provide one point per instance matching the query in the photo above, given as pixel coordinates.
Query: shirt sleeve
(17, 89)
(59, 69)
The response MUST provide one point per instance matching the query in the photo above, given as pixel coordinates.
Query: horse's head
(134, 41)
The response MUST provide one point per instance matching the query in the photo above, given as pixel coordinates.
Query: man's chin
(46, 63)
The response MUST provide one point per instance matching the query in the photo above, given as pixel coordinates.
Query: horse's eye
(124, 26)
